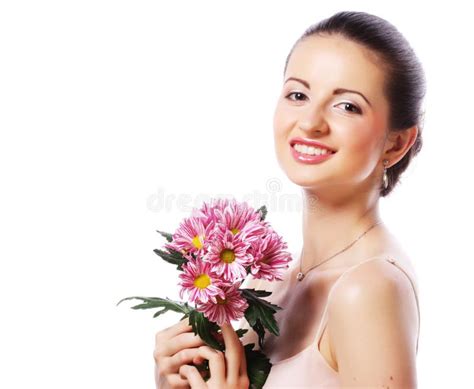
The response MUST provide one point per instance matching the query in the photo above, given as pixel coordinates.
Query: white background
(118, 116)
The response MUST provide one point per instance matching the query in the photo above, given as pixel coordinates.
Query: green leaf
(267, 319)
(253, 296)
(260, 330)
(167, 235)
(200, 324)
(263, 211)
(260, 313)
(165, 305)
(241, 332)
(258, 366)
(260, 293)
(174, 257)
(204, 328)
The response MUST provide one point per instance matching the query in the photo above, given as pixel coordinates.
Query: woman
(346, 125)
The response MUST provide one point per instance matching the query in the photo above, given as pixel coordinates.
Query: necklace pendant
(299, 276)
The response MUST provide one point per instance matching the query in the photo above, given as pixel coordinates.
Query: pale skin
(371, 333)
(366, 346)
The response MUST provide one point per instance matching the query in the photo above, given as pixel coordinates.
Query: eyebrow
(336, 91)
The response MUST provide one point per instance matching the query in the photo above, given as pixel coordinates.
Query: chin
(307, 182)
(305, 178)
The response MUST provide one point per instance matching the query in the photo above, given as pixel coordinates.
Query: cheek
(282, 124)
(361, 152)
(281, 119)
(360, 139)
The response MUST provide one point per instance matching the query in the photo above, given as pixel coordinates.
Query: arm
(373, 325)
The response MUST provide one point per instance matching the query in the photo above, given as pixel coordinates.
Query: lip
(309, 159)
(309, 142)
(306, 158)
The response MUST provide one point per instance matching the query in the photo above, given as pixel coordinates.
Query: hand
(228, 370)
(174, 347)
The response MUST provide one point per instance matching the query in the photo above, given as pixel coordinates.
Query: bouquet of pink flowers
(215, 249)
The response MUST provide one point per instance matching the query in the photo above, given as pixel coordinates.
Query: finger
(178, 343)
(178, 328)
(182, 341)
(182, 357)
(176, 381)
(197, 360)
(243, 363)
(217, 362)
(192, 375)
(233, 351)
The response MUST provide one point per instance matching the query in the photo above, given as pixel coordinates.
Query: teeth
(304, 149)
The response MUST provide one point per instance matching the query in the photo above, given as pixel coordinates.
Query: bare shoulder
(378, 275)
(373, 323)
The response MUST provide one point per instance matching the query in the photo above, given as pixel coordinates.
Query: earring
(385, 177)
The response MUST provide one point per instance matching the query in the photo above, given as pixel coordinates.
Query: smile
(310, 150)
(309, 154)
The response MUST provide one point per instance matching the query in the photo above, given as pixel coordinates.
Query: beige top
(308, 368)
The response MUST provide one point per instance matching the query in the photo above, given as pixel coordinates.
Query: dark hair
(405, 84)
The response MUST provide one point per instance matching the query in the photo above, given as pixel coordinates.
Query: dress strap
(323, 322)
(393, 262)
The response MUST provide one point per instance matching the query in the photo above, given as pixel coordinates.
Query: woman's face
(316, 108)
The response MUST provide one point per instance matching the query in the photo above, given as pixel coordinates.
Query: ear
(398, 143)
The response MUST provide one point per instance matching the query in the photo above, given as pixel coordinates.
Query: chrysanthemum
(205, 213)
(229, 256)
(207, 210)
(238, 217)
(191, 236)
(270, 258)
(231, 307)
(200, 281)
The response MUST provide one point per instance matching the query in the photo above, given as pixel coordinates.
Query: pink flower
(191, 236)
(270, 258)
(231, 307)
(237, 217)
(232, 215)
(229, 256)
(200, 281)
(206, 212)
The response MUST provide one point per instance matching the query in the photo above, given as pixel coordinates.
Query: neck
(330, 224)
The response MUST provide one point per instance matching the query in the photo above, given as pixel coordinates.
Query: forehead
(335, 61)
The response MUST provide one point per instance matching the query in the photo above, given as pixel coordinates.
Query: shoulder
(372, 322)
(374, 281)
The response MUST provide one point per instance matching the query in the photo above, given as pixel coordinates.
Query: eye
(351, 106)
(295, 93)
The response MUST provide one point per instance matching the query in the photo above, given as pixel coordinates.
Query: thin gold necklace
(301, 275)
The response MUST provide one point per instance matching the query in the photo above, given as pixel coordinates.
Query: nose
(313, 121)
